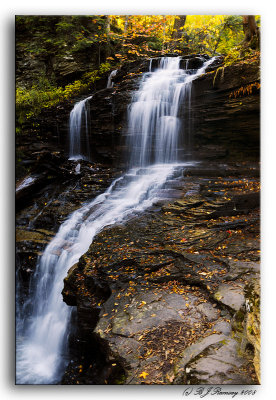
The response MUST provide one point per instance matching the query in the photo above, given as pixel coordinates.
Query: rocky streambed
(172, 295)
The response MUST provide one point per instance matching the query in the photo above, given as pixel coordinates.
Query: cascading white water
(79, 119)
(25, 183)
(110, 84)
(40, 352)
(42, 336)
(153, 114)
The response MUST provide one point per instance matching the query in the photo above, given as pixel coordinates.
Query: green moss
(239, 316)
(238, 322)
(29, 103)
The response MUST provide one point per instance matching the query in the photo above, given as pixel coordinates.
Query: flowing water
(154, 123)
(79, 131)
(110, 84)
(154, 127)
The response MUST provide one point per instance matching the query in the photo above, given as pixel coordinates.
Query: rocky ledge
(54, 188)
(172, 296)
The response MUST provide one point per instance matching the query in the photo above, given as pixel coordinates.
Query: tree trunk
(164, 36)
(179, 22)
(125, 28)
(126, 24)
(107, 24)
(251, 31)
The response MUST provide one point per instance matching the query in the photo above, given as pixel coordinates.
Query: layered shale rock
(165, 294)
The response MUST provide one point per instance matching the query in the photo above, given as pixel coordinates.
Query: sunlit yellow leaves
(245, 90)
(143, 375)
(142, 304)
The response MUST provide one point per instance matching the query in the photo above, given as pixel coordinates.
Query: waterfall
(79, 119)
(109, 81)
(154, 127)
(154, 123)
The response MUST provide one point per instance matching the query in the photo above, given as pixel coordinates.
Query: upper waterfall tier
(154, 124)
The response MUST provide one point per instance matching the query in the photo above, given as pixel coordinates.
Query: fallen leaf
(142, 304)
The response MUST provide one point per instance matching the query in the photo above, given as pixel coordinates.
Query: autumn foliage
(104, 42)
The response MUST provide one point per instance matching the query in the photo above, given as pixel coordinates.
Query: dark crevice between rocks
(89, 364)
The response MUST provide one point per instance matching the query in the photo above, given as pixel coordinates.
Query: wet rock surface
(165, 295)
(42, 209)
(219, 364)
(226, 113)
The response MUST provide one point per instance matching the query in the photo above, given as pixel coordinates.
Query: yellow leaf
(142, 304)
(143, 375)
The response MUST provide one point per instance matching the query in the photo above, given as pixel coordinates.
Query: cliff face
(224, 114)
(57, 48)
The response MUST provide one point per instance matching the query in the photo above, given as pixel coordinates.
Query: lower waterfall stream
(154, 133)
